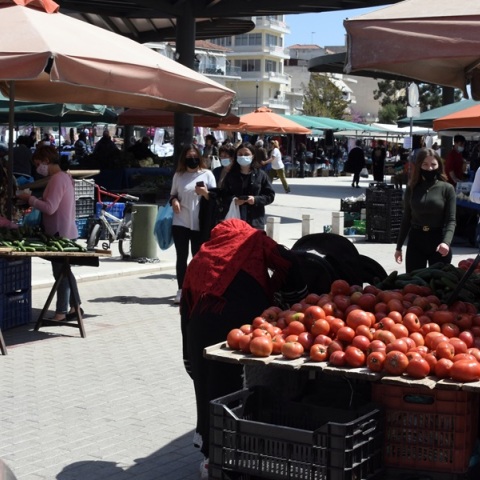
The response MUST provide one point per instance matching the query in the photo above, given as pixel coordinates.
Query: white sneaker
(204, 469)
(197, 440)
(178, 296)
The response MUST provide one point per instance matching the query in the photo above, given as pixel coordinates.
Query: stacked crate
(384, 210)
(15, 292)
(84, 205)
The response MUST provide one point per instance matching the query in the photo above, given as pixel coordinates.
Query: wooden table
(42, 182)
(68, 258)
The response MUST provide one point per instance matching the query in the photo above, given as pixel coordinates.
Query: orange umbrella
(263, 120)
(157, 118)
(464, 119)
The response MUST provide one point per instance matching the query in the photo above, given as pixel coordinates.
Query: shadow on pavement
(124, 299)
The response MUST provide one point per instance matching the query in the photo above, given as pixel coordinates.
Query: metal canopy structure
(141, 20)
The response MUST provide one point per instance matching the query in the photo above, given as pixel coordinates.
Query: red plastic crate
(428, 429)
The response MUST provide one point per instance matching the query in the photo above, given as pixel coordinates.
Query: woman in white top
(191, 181)
(277, 165)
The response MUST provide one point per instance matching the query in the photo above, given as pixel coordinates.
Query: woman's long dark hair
(182, 164)
(255, 163)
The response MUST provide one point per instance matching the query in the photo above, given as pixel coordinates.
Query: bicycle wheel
(125, 240)
(94, 237)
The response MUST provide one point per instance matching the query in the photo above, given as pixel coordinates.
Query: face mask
(244, 161)
(42, 169)
(460, 149)
(225, 162)
(430, 175)
(193, 162)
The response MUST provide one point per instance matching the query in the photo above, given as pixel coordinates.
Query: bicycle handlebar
(116, 196)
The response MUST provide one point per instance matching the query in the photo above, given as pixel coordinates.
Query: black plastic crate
(15, 309)
(352, 206)
(84, 207)
(386, 196)
(15, 274)
(382, 235)
(379, 222)
(255, 434)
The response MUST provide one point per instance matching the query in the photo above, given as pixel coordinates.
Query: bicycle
(118, 229)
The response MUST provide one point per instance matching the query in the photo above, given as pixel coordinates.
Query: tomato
(398, 345)
(320, 327)
(459, 307)
(335, 324)
(475, 352)
(247, 328)
(365, 331)
(295, 327)
(291, 337)
(385, 336)
(399, 330)
(233, 338)
(337, 358)
(429, 327)
(442, 368)
(354, 357)
(395, 316)
(411, 355)
(463, 321)
(312, 298)
(467, 337)
(371, 289)
(293, 316)
(432, 360)
(297, 307)
(381, 307)
(346, 334)
(277, 343)
(257, 322)
(375, 361)
(438, 339)
(417, 337)
(395, 305)
(306, 339)
(342, 302)
(395, 363)
(358, 317)
(411, 321)
(292, 350)
(377, 346)
(465, 371)
(270, 314)
(445, 350)
(463, 356)
(340, 287)
(244, 343)
(318, 353)
(261, 346)
(385, 323)
(430, 336)
(443, 316)
(418, 368)
(367, 302)
(450, 330)
(459, 345)
(311, 314)
(322, 340)
(260, 332)
(361, 342)
(335, 346)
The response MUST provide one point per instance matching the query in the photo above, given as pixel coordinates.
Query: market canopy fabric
(432, 41)
(55, 58)
(157, 118)
(263, 120)
(465, 119)
(426, 118)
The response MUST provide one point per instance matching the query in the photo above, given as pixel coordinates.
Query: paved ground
(118, 404)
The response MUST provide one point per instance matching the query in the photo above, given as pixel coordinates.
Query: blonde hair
(275, 143)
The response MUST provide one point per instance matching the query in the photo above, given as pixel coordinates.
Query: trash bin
(143, 238)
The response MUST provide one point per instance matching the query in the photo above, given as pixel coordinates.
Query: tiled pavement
(118, 405)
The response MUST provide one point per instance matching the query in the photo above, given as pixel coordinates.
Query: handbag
(233, 211)
(163, 227)
(33, 219)
(364, 172)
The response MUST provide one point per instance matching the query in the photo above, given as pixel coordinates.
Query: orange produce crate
(428, 429)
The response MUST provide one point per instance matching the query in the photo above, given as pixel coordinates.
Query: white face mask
(42, 169)
(225, 162)
(460, 149)
(245, 160)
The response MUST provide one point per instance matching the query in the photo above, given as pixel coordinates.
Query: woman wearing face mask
(249, 185)
(58, 217)
(225, 154)
(191, 181)
(428, 214)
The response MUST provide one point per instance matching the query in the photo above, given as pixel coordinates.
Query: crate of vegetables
(432, 430)
(256, 434)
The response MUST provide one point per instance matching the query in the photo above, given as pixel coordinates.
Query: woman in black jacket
(249, 185)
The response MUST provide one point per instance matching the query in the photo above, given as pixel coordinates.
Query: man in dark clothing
(141, 150)
(379, 154)
(106, 151)
(356, 161)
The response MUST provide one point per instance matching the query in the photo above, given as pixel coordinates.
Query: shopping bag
(364, 172)
(33, 219)
(233, 211)
(215, 162)
(163, 227)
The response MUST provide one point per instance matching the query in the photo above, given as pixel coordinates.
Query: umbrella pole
(11, 114)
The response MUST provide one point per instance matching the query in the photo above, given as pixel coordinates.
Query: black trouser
(377, 170)
(356, 178)
(422, 248)
(182, 237)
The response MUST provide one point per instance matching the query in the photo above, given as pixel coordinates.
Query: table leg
(66, 273)
(3, 347)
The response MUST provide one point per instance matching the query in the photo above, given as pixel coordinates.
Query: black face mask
(192, 162)
(430, 175)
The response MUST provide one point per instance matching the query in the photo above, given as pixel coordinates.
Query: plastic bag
(33, 219)
(215, 162)
(364, 172)
(163, 227)
(233, 211)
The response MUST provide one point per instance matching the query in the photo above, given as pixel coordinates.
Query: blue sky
(320, 28)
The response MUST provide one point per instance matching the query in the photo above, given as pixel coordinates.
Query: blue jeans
(65, 295)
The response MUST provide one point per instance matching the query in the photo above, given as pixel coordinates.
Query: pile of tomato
(397, 332)
(465, 265)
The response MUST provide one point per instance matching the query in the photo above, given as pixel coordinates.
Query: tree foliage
(323, 98)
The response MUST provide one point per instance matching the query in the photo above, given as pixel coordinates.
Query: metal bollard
(338, 222)
(306, 224)
(273, 228)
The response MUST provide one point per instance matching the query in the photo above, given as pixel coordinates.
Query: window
(272, 40)
(248, 65)
(270, 66)
(248, 39)
(224, 42)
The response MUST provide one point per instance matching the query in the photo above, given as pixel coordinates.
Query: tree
(323, 98)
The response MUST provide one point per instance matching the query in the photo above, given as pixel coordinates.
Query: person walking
(379, 155)
(356, 161)
(190, 182)
(428, 215)
(278, 168)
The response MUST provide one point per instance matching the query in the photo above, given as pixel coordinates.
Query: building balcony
(278, 77)
(267, 23)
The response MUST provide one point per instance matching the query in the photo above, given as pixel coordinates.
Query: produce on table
(33, 239)
(464, 265)
(407, 331)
